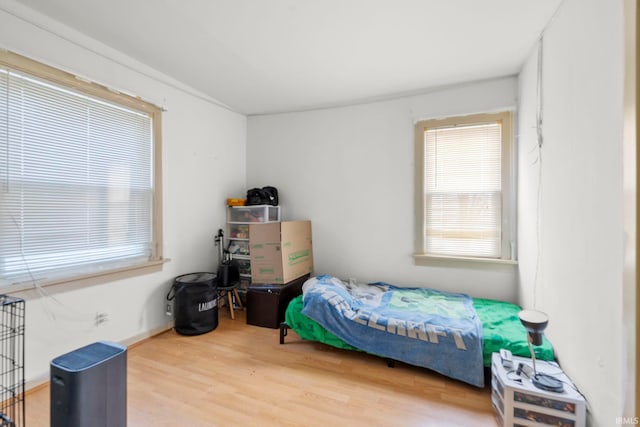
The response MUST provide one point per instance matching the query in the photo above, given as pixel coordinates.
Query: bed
(452, 334)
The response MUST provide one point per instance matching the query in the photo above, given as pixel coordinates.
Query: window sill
(461, 262)
(92, 278)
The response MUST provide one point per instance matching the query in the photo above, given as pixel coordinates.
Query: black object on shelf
(262, 196)
(228, 273)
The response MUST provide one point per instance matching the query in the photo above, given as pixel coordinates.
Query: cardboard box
(281, 251)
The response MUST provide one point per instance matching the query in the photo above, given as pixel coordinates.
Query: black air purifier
(89, 387)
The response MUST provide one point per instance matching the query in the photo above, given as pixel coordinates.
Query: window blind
(76, 182)
(463, 197)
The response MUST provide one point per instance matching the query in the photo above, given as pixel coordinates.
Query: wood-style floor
(239, 375)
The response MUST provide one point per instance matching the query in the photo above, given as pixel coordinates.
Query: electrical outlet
(101, 319)
(169, 310)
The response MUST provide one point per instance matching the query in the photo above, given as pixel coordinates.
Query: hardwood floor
(240, 375)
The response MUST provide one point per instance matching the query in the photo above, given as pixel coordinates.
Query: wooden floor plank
(240, 375)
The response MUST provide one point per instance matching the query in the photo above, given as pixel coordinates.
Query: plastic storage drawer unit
(251, 214)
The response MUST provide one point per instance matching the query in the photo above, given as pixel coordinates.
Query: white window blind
(463, 190)
(76, 182)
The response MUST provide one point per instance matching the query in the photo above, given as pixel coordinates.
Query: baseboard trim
(42, 380)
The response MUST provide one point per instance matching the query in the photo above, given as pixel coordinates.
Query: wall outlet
(169, 309)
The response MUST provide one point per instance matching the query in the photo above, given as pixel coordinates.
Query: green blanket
(501, 328)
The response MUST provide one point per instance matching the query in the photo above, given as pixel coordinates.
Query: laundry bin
(195, 303)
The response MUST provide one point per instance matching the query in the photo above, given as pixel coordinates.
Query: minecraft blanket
(423, 327)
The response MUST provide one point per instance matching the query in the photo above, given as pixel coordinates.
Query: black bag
(228, 274)
(262, 196)
(272, 194)
(195, 303)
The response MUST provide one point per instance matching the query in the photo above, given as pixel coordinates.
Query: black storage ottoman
(267, 303)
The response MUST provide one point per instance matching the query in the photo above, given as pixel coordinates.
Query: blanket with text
(420, 326)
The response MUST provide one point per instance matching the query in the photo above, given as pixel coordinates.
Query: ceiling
(266, 56)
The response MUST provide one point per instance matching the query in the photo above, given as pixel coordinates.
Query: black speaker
(89, 387)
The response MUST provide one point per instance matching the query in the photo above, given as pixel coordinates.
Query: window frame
(26, 65)
(508, 252)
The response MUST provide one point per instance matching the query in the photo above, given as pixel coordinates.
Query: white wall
(630, 198)
(579, 276)
(351, 171)
(204, 152)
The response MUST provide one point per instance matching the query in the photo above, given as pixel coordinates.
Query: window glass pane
(76, 182)
(462, 182)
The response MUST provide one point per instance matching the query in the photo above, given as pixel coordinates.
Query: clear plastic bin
(253, 214)
(238, 247)
(238, 231)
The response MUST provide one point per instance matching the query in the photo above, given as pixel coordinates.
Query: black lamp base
(547, 383)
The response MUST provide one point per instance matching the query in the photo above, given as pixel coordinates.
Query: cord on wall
(539, 92)
(539, 140)
(68, 313)
(539, 143)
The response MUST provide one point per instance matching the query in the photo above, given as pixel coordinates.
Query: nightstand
(518, 403)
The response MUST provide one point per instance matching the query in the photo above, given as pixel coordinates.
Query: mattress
(501, 328)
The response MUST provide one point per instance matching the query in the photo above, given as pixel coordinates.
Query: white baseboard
(42, 379)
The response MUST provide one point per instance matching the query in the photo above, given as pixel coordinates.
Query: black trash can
(195, 303)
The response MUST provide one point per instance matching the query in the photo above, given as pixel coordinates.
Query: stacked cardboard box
(280, 251)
